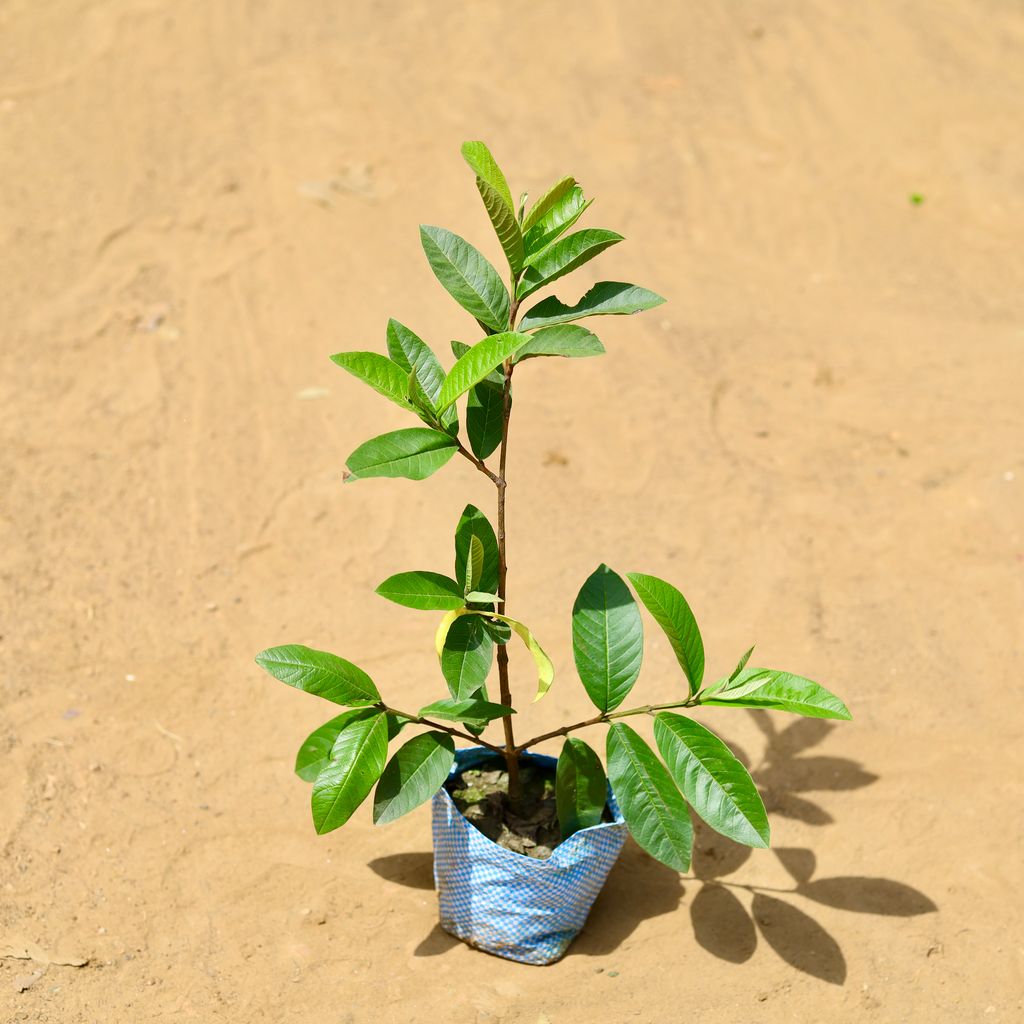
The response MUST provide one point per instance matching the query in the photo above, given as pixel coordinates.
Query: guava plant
(347, 756)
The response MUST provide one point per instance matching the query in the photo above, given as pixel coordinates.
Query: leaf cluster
(692, 768)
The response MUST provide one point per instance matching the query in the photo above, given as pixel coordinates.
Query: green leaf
(460, 348)
(382, 374)
(654, 810)
(710, 691)
(482, 597)
(466, 657)
(471, 710)
(494, 191)
(672, 613)
(467, 276)
(396, 723)
(421, 403)
(484, 409)
(427, 591)
(781, 691)
(559, 218)
(475, 557)
(315, 751)
(552, 198)
(473, 523)
(485, 167)
(714, 782)
(356, 762)
(505, 225)
(322, 674)
(581, 789)
(415, 356)
(606, 298)
(413, 775)
(499, 632)
(741, 664)
(561, 340)
(607, 638)
(485, 416)
(415, 453)
(483, 358)
(564, 256)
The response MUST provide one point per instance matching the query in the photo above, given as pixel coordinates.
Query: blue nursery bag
(506, 903)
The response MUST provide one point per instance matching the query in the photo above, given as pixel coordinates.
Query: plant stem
(511, 751)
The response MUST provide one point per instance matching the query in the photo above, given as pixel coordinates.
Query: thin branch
(564, 731)
(650, 709)
(417, 720)
(479, 463)
(605, 717)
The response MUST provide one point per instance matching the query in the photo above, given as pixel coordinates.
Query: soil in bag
(531, 828)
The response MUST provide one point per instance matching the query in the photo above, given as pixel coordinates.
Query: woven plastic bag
(506, 903)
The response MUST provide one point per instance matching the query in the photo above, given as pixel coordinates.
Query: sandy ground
(818, 438)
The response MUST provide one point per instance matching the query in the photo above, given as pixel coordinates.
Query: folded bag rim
(470, 757)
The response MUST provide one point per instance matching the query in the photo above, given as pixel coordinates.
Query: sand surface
(819, 439)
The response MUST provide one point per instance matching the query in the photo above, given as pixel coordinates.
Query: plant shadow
(724, 927)
(414, 870)
(786, 772)
(639, 887)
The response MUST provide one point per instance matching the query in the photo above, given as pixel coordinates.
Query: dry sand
(819, 439)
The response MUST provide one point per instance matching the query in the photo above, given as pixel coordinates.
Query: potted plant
(522, 842)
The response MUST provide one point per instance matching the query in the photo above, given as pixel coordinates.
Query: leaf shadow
(721, 923)
(786, 772)
(798, 939)
(414, 870)
(723, 927)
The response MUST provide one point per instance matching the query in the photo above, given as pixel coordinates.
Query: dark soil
(531, 828)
